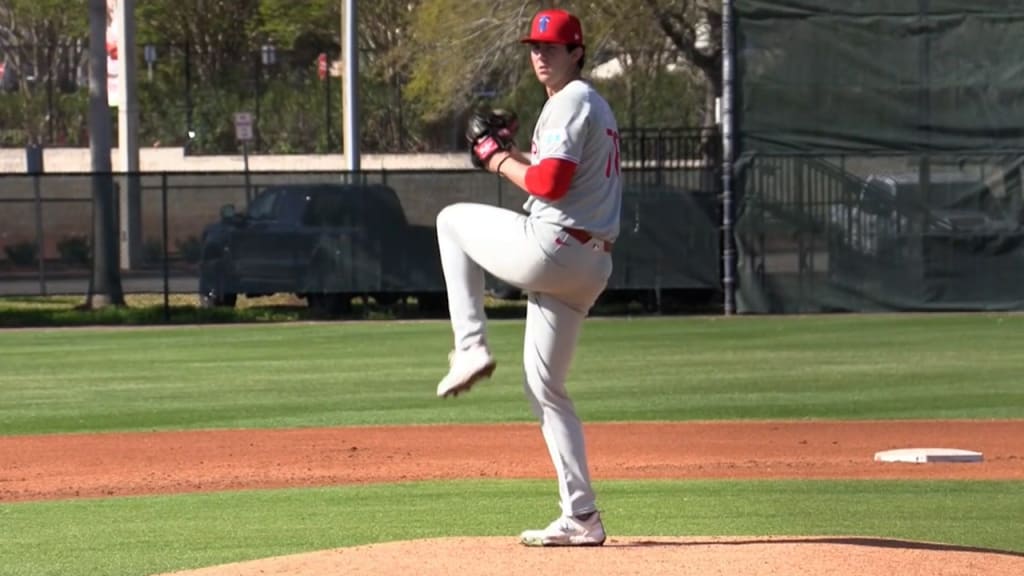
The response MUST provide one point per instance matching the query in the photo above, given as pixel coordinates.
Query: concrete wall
(194, 199)
(66, 189)
(199, 185)
(76, 160)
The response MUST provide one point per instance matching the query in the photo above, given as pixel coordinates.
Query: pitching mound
(776, 556)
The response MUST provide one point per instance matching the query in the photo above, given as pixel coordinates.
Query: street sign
(243, 126)
(321, 66)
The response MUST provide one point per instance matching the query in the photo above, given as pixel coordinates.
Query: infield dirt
(104, 465)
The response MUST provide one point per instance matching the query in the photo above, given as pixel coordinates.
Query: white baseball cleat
(568, 531)
(466, 368)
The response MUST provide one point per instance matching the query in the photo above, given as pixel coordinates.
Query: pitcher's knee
(448, 215)
(442, 218)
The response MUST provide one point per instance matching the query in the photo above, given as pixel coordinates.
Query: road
(131, 283)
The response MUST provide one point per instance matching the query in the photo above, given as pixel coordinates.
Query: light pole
(268, 57)
(190, 133)
(350, 85)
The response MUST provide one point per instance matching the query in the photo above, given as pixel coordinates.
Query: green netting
(879, 158)
(880, 75)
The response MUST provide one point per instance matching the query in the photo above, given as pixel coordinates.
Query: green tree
(42, 43)
(314, 27)
(655, 85)
(464, 51)
(694, 28)
(226, 73)
(468, 49)
(289, 23)
(218, 33)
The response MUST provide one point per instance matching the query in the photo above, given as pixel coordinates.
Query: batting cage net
(878, 155)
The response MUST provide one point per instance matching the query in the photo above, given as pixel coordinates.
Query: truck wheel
(432, 303)
(213, 300)
(507, 292)
(329, 305)
(386, 299)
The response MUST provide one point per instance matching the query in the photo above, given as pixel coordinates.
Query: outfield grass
(361, 373)
(135, 536)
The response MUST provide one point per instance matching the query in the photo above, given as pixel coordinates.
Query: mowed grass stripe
(364, 373)
(148, 535)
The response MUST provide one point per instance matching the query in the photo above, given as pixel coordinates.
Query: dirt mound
(776, 556)
(101, 465)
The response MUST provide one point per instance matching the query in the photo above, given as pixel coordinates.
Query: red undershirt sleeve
(550, 179)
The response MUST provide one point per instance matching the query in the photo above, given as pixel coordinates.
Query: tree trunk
(105, 287)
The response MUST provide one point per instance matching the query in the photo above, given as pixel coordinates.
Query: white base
(924, 455)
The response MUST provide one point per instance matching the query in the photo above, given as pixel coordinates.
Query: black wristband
(503, 160)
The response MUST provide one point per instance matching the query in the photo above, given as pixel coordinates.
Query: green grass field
(840, 367)
(672, 369)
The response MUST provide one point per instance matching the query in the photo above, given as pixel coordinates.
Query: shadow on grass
(837, 540)
(64, 311)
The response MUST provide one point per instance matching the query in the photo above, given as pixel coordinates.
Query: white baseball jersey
(577, 125)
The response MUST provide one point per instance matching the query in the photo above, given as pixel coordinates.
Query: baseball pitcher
(559, 253)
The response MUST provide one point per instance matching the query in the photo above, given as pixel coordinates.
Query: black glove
(488, 132)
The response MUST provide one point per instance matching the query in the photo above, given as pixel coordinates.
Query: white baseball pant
(563, 279)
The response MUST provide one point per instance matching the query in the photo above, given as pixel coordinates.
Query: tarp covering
(917, 75)
(879, 155)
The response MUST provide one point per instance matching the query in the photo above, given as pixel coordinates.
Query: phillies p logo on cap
(555, 27)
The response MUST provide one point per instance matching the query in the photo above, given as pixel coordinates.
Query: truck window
(327, 209)
(262, 207)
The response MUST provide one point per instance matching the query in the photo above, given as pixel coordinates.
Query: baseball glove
(488, 132)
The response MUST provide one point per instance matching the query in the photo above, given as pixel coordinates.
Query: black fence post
(164, 232)
(34, 165)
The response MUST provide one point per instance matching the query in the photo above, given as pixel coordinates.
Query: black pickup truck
(326, 243)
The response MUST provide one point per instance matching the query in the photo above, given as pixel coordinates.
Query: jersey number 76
(614, 160)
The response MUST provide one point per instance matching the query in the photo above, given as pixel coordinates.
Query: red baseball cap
(555, 27)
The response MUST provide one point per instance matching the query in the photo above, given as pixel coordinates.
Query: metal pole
(728, 87)
(163, 225)
(925, 102)
(350, 55)
(128, 138)
(39, 235)
(189, 132)
(245, 161)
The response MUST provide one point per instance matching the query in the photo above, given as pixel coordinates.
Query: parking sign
(243, 126)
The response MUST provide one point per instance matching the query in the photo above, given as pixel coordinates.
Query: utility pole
(105, 287)
(128, 138)
(350, 85)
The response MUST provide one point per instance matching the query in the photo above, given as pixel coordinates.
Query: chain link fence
(669, 242)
